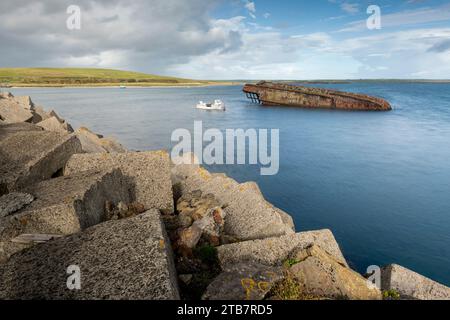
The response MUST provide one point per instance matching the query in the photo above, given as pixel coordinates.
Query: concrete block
(411, 285)
(128, 259)
(30, 157)
(148, 172)
(64, 205)
(275, 251)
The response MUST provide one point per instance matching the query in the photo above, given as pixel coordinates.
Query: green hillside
(86, 77)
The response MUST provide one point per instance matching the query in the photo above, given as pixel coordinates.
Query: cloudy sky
(232, 39)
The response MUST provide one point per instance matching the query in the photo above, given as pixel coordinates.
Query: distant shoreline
(84, 86)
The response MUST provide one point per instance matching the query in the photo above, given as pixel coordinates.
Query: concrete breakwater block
(249, 215)
(63, 205)
(7, 130)
(94, 143)
(122, 259)
(275, 251)
(244, 281)
(411, 285)
(14, 201)
(320, 275)
(12, 110)
(148, 172)
(28, 157)
(53, 124)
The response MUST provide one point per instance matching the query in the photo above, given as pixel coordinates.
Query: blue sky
(233, 39)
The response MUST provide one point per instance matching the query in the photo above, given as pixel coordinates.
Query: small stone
(189, 237)
(13, 202)
(196, 205)
(186, 278)
(122, 207)
(185, 221)
(137, 208)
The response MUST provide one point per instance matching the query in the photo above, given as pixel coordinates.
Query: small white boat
(122, 87)
(217, 105)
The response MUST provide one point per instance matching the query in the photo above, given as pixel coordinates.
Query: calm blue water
(380, 181)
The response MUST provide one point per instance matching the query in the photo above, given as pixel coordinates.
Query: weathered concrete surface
(12, 111)
(94, 143)
(243, 203)
(275, 251)
(322, 276)
(64, 205)
(411, 285)
(149, 172)
(7, 130)
(14, 201)
(53, 124)
(268, 93)
(29, 157)
(243, 281)
(124, 259)
(39, 114)
(24, 101)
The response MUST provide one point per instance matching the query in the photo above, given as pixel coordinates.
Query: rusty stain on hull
(269, 93)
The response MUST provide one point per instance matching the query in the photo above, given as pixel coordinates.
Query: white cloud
(270, 55)
(405, 18)
(251, 7)
(350, 7)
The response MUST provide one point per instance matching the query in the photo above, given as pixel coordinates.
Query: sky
(233, 39)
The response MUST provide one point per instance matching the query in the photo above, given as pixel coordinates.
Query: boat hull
(267, 93)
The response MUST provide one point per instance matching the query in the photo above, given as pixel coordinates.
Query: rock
(25, 102)
(6, 95)
(196, 205)
(243, 281)
(242, 202)
(8, 130)
(411, 285)
(189, 237)
(53, 113)
(136, 207)
(29, 157)
(186, 278)
(64, 206)
(128, 259)
(39, 114)
(286, 218)
(89, 141)
(210, 227)
(321, 276)
(53, 124)
(93, 143)
(111, 145)
(11, 111)
(275, 251)
(185, 221)
(13, 202)
(186, 159)
(149, 172)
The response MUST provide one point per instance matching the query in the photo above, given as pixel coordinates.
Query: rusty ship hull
(268, 93)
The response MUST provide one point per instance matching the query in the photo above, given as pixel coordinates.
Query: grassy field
(61, 77)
